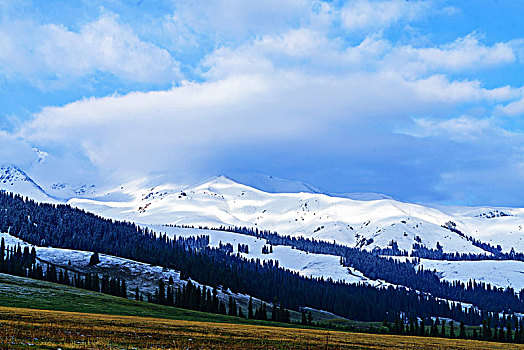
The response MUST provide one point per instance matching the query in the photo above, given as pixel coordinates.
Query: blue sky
(421, 100)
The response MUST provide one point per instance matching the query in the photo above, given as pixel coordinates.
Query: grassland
(43, 329)
(42, 315)
(28, 293)
(34, 294)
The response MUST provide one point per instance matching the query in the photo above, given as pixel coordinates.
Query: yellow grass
(26, 328)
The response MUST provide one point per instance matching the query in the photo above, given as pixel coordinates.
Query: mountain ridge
(383, 223)
(221, 200)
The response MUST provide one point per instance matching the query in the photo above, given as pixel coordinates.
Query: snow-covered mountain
(272, 184)
(67, 190)
(14, 179)
(222, 201)
(366, 224)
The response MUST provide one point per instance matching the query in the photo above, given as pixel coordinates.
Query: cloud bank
(308, 90)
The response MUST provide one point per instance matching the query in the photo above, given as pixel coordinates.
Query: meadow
(42, 315)
(45, 329)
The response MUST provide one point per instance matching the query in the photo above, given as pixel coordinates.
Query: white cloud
(222, 23)
(314, 51)
(462, 129)
(465, 53)
(272, 77)
(439, 87)
(47, 54)
(512, 109)
(186, 127)
(363, 15)
(14, 150)
(285, 88)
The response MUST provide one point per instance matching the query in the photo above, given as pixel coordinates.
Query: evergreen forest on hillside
(64, 227)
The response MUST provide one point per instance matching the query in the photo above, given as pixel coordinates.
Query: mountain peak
(11, 174)
(272, 184)
(220, 180)
(14, 179)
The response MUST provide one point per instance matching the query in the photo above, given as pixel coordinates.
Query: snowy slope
(135, 273)
(498, 273)
(503, 226)
(306, 264)
(274, 184)
(13, 179)
(221, 201)
(66, 190)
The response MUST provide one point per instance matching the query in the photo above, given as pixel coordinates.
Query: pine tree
(517, 338)
(274, 310)
(509, 334)
(33, 255)
(222, 308)
(250, 308)
(462, 330)
(434, 328)
(203, 301)
(232, 307)
(215, 301)
(123, 289)
(2, 250)
(502, 335)
(95, 259)
(422, 328)
(161, 292)
(209, 301)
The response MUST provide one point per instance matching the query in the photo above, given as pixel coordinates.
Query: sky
(420, 100)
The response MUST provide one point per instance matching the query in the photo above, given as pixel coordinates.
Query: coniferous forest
(64, 227)
(399, 272)
(15, 261)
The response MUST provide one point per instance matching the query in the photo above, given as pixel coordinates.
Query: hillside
(222, 201)
(67, 227)
(15, 180)
(366, 224)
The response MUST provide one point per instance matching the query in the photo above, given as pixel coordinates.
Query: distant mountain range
(366, 221)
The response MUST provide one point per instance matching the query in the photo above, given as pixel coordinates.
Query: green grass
(43, 329)
(33, 294)
(21, 294)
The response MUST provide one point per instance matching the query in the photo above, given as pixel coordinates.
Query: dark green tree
(462, 330)
(250, 308)
(95, 259)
